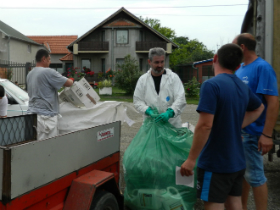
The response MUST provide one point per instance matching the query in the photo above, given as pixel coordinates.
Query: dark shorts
(216, 187)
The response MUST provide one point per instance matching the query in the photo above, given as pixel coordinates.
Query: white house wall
(19, 51)
(55, 58)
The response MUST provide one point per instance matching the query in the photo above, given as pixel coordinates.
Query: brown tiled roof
(56, 44)
(121, 22)
(68, 57)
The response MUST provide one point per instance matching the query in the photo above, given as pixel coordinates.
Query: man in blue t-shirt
(257, 137)
(226, 105)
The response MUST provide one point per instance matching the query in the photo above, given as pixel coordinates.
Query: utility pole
(217, 47)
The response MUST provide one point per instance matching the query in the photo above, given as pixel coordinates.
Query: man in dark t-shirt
(226, 105)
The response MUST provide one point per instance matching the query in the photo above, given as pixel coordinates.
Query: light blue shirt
(42, 87)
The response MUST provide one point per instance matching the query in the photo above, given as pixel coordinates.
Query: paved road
(272, 169)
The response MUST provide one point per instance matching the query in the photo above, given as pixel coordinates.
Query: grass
(117, 95)
(120, 95)
(192, 100)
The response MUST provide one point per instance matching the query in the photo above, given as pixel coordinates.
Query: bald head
(248, 40)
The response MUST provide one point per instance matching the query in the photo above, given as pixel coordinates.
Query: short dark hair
(2, 91)
(40, 54)
(247, 41)
(230, 56)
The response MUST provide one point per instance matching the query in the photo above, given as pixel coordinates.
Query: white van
(17, 98)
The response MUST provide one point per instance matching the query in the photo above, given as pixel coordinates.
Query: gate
(15, 72)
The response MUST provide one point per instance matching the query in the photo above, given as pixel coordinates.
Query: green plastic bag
(149, 168)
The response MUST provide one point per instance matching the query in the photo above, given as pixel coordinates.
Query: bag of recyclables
(149, 168)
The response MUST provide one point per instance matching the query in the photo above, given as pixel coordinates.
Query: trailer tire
(104, 201)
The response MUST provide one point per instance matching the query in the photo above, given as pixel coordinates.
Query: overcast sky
(212, 25)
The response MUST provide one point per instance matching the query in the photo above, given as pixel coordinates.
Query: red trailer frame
(53, 195)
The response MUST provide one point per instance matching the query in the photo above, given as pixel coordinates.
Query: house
(57, 45)
(109, 42)
(16, 47)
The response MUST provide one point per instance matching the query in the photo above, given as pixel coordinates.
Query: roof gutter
(112, 49)
(9, 39)
(9, 48)
(197, 78)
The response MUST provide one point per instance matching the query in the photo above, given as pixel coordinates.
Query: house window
(103, 65)
(122, 36)
(120, 61)
(141, 64)
(57, 66)
(86, 63)
(68, 66)
(207, 72)
(141, 36)
(103, 36)
(29, 48)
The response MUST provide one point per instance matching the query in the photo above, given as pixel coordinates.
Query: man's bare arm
(265, 143)
(201, 135)
(252, 116)
(68, 83)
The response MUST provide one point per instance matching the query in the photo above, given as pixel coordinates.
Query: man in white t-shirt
(42, 86)
(3, 103)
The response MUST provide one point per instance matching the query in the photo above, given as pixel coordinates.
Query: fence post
(27, 69)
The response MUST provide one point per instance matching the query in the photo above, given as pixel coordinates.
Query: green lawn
(120, 95)
(117, 95)
(192, 100)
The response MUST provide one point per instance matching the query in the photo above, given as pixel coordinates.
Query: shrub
(9, 73)
(127, 74)
(192, 87)
(109, 74)
(87, 71)
(104, 83)
(100, 75)
(73, 73)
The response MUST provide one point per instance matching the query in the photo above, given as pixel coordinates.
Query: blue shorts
(254, 173)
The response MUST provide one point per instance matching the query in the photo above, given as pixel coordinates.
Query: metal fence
(187, 72)
(15, 72)
(18, 129)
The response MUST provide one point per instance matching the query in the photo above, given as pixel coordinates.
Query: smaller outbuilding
(205, 69)
(201, 70)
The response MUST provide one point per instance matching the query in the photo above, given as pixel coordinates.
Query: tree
(181, 40)
(190, 52)
(155, 24)
(127, 74)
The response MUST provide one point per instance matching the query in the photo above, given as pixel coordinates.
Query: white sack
(74, 118)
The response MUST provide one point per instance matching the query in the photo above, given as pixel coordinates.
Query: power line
(105, 8)
(191, 15)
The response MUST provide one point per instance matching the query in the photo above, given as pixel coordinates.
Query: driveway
(272, 169)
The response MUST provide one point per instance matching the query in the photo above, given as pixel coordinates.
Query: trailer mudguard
(82, 190)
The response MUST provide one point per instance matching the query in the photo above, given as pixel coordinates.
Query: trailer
(73, 171)
(262, 19)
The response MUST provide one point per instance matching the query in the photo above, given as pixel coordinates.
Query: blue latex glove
(150, 112)
(165, 116)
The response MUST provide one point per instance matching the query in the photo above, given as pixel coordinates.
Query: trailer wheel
(104, 201)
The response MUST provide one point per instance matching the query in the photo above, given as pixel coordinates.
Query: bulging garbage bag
(149, 168)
